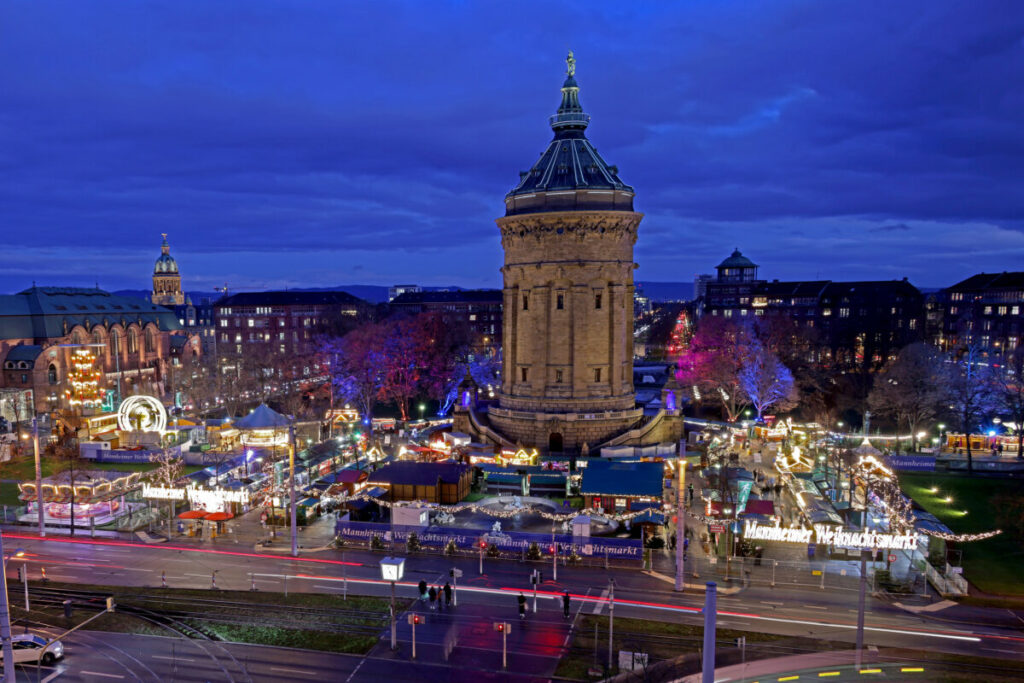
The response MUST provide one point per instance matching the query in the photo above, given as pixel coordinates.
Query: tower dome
(570, 175)
(165, 263)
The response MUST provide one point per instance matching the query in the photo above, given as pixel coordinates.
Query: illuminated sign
(827, 535)
(212, 500)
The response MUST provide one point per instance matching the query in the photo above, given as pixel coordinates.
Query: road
(539, 643)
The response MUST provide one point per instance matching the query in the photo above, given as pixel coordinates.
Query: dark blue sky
(306, 143)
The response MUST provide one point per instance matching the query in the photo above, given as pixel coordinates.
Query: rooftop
(411, 473)
(290, 298)
(608, 478)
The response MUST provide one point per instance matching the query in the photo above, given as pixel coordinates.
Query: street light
(423, 407)
(393, 569)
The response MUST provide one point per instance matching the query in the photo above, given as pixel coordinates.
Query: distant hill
(666, 291)
(372, 293)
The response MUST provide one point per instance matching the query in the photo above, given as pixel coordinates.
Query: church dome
(165, 264)
(570, 175)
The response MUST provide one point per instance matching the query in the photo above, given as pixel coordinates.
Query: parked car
(27, 647)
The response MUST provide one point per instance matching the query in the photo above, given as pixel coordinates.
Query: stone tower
(568, 235)
(166, 279)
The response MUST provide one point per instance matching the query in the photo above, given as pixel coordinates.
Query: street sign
(892, 558)
(457, 573)
(716, 527)
(957, 570)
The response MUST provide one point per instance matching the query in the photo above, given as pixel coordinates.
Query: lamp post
(680, 525)
(393, 569)
(422, 408)
(39, 476)
(291, 486)
(5, 618)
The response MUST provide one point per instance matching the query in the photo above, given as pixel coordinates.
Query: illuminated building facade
(166, 279)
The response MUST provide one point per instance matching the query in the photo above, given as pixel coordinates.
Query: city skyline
(380, 141)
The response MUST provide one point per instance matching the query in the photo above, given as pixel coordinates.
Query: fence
(752, 571)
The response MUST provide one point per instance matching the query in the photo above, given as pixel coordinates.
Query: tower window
(523, 372)
(526, 302)
(558, 376)
(597, 374)
(560, 301)
(597, 301)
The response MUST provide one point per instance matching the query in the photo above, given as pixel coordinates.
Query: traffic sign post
(455, 573)
(414, 620)
(503, 627)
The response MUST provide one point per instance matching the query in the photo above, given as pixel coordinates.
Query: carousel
(84, 497)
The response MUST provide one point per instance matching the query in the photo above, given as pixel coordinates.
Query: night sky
(309, 144)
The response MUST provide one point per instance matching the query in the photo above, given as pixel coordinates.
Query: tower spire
(570, 121)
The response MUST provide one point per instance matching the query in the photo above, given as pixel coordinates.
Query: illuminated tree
(766, 381)
(712, 362)
(971, 392)
(84, 380)
(168, 470)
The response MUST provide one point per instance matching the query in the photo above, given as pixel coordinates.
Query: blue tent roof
(605, 478)
(263, 417)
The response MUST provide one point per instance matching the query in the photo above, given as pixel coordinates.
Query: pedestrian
(565, 605)
(440, 598)
(522, 606)
(432, 593)
(447, 595)
(423, 590)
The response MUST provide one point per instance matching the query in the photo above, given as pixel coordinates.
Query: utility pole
(39, 476)
(291, 493)
(860, 607)
(5, 620)
(611, 619)
(707, 674)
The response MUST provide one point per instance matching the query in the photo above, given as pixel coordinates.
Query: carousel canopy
(263, 417)
(865, 448)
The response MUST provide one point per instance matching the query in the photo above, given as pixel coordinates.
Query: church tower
(568, 235)
(166, 279)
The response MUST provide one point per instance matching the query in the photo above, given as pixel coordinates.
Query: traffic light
(551, 549)
(499, 626)
(483, 544)
(451, 573)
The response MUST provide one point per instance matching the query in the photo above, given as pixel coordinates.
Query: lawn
(993, 565)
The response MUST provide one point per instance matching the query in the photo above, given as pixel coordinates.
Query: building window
(522, 371)
(913, 323)
(526, 302)
(844, 312)
(597, 374)
(24, 379)
(558, 376)
(1002, 310)
(560, 301)
(223, 322)
(150, 341)
(51, 374)
(988, 310)
(133, 341)
(597, 302)
(1015, 310)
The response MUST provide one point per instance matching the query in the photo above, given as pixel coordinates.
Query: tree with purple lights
(766, 381)
(712, 362)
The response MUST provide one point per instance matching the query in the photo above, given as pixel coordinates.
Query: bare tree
(971, 393)
(168, 470)
(1009, 389)
(912, 388)
(766, 381)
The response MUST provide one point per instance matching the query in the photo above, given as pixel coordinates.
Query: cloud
(283, 143)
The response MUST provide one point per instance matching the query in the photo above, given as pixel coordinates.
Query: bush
(492, 551)
(574, 557)
(533, 552)
(376, 543)
(412, 544)
(450, 548)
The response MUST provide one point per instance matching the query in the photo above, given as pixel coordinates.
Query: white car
(27, 647)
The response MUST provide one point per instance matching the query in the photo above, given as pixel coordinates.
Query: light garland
(84, 380)
(498, 514)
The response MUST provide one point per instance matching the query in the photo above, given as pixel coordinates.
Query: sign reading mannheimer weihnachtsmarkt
(827, 535)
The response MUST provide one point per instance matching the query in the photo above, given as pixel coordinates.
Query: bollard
(253, 577)
(43, 570)
(163, 579)
(213, 580)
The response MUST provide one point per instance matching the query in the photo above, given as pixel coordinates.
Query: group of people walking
(440, 596)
